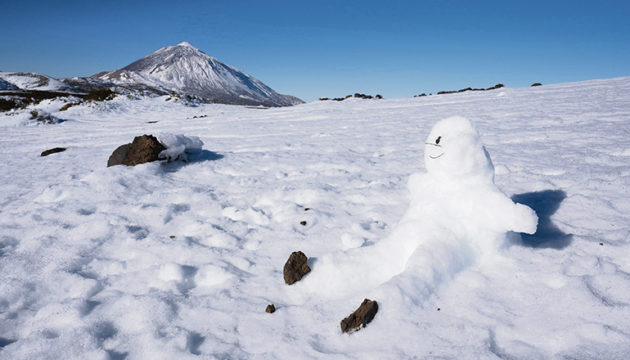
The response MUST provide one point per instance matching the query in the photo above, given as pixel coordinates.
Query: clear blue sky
(332, 48)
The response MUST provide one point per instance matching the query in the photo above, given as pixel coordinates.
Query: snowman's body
(456, 217)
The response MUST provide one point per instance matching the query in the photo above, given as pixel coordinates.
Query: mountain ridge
(180, 69)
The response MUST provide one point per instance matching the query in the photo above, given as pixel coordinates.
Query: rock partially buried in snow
(271, 308)
(360, 317)
(295, 268)
(145, 148)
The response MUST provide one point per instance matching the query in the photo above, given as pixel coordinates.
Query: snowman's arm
(512, 216)
(525, 219)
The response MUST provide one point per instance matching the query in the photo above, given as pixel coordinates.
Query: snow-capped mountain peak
(184, 69)
(185, 43)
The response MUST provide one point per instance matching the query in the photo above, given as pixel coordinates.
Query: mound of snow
(178, 146)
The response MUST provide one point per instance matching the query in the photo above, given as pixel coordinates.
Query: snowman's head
(453, 151)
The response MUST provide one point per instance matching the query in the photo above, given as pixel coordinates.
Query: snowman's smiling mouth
(436, 144)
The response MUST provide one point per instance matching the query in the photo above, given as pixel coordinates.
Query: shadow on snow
(545, 203)
(193, 157)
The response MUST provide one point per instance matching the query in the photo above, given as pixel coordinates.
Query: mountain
(32, 81)
(186, 70)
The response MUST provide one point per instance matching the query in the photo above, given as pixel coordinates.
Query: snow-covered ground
(179, 260)
(32, 81)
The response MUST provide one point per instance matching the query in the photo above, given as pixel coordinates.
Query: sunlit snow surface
(179, 260)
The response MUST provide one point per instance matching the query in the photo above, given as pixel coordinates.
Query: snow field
(179, 260)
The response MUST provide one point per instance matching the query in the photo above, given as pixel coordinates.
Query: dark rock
(360, 317)
(117, 157)
(271, 308)
(536, 84)
(52, 151)
(295, 267)
(379, 96)
(145, 148)
(303, 222)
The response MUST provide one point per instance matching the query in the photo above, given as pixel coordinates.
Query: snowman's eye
(437, 141)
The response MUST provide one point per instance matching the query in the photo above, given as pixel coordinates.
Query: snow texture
(179, 260)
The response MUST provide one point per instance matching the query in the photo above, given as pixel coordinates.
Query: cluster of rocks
(296, 267)
(145, 148)
(497, 86)
(356, 95)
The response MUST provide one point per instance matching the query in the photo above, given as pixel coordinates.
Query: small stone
(601, 244)
(270, 308)
(307, 209)
(438, 309)
(172, 236)
(296, 267)
(303, 222)
(360, 317)
(52, 151)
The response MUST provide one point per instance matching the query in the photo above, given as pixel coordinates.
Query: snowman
(456, 217)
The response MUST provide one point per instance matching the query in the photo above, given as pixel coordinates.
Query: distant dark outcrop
(497, 86)
(536, 84)
(356, 96)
